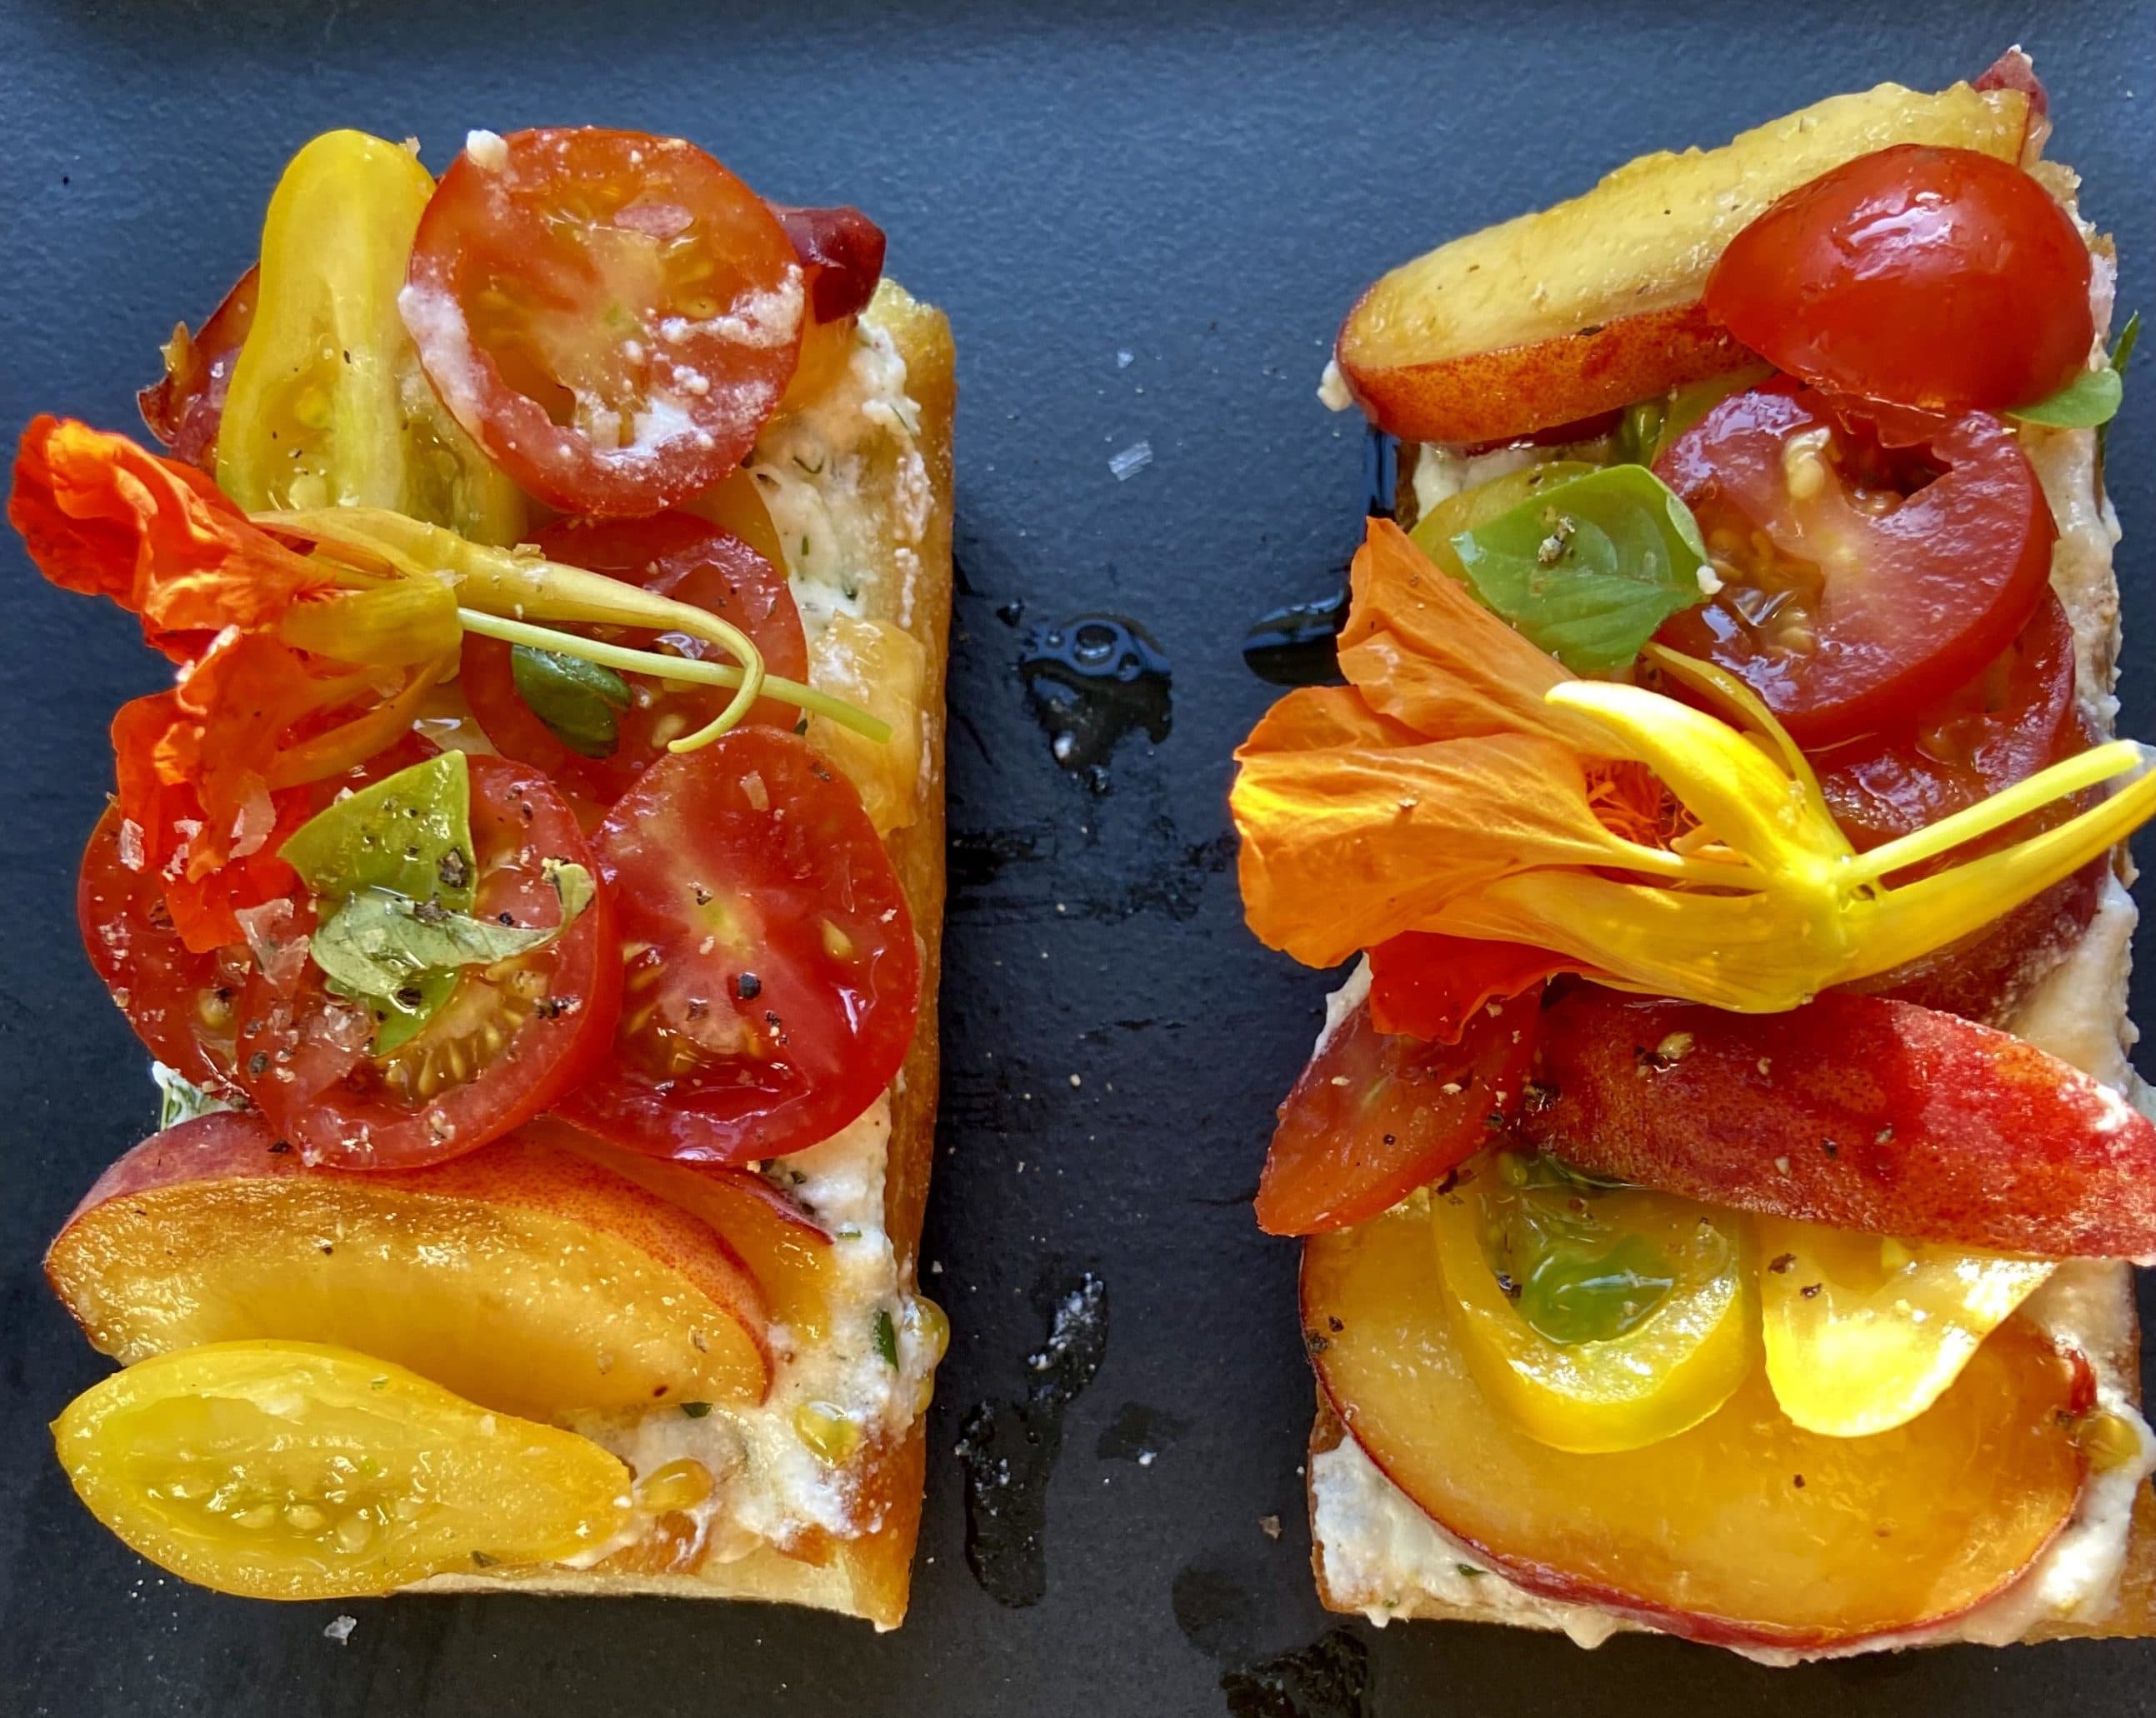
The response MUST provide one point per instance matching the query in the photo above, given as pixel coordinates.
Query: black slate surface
(1204, 187)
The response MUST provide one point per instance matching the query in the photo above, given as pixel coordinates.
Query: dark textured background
(1205, 186)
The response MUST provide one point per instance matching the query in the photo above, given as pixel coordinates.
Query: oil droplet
(1093, 679)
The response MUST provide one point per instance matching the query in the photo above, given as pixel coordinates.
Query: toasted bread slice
(2071, 999)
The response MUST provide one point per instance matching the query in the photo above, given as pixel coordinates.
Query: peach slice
(788, 1251)
(519, 1276)
(1852, 1111)
(1743, 1530)
(1595, 303)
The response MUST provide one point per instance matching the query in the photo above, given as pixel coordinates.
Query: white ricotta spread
(815, 467)
(812, 467)
(769, 1487)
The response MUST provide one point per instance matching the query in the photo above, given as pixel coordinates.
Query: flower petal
(1423, 651)
(102, 515)
(1346, 846)
(1757, 953)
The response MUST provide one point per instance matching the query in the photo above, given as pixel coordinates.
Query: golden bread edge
(869, 1576)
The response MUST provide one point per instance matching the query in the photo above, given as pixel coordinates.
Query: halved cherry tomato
(1942, 278)
(841, 249)
(182, 1005)
(511, 1039)
(1375, 1115)
(183, 406)
(1858, 588)
(611, 314)
(673, 555)
(770, 978)
(2016, 717)
(2019, 715)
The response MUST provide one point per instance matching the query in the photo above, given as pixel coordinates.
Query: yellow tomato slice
(1864, 1332)
(1600, 1319)
(328, 405)
(883, 669)
(294, 1471)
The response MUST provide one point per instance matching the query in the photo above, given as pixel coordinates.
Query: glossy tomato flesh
(1860, 586)
(672, 555)
(1943, 278)
(510, 1040)
(611, 314)
(1376, 1115)
(2016, 717)
(182, 1005)
(772, 980)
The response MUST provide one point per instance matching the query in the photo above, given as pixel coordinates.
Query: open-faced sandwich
(1720, 1171)
(529, 890)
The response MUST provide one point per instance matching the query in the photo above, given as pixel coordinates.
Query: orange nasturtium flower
(1465, 783)
(297, 665)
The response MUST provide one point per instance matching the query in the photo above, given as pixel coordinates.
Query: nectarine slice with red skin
(1858, 1111)
(1743, 1530)
(1595, 303)
(521, 1276)
(787, 1251)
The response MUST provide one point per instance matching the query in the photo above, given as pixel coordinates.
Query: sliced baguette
(2097, 1039)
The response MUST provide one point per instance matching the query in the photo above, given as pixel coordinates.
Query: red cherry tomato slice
(1375, 1117)
(510, 1040)
(1942, 278)
(673, 555)
(770, 978)
(2016, 717)
(611, 315)
(842, 251)
(182, 1005)
(1858, 589)
(184, 407)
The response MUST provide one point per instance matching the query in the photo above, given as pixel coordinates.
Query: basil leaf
(2090, 398)
(179, 1099)
(378, 945)
(580, 701)
(2093, 398)
(886, 1336)
(409, 833)
(573, 883)
(2122, 354)
(1590, 568)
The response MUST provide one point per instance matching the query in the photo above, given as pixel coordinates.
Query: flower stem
(678, 669)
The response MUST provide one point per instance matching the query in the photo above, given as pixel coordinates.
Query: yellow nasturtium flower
(1463, 783)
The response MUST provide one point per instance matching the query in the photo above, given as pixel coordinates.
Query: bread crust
(911, 586)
